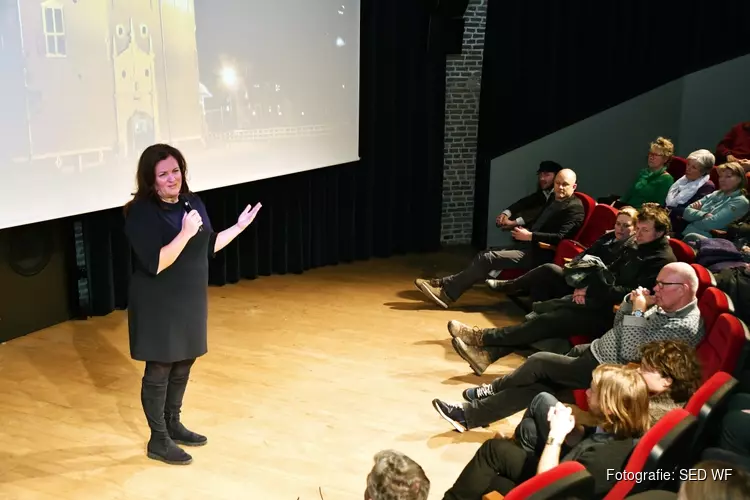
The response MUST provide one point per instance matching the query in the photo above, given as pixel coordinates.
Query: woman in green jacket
(653, 182)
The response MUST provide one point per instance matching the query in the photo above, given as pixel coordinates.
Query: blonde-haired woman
(720, 208)
(618, 399)
(653, 182)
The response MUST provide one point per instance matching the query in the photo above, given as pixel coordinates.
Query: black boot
(160, 446)
(178, 380)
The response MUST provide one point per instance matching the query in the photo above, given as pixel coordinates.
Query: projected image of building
(87, 82)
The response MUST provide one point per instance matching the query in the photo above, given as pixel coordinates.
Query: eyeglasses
(662, 284)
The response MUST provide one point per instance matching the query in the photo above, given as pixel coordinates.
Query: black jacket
(735, 282)
(607, 248)
(564, 221)
(529, 207)
(636, 266)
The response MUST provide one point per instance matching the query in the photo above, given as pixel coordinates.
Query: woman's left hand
(248, 215)
(697, 205)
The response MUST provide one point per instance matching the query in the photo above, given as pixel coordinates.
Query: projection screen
(247, 89)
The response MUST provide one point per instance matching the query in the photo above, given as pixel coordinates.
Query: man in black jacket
(588, 311)
(561, 218)
(526, 210)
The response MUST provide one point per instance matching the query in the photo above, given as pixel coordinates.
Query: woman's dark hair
(146, 173)
(677, 361)
(659, 216)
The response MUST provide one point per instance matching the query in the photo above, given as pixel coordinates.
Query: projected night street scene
(87, 85)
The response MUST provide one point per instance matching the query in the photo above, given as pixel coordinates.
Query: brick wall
(463, 78)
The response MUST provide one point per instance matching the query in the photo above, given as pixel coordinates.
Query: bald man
(561, 218)
(670, 312)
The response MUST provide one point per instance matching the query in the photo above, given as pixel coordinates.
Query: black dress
(168, 312)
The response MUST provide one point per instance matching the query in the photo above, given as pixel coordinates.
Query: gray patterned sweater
(622, 344)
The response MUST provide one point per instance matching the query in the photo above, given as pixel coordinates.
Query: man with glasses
(669, 313)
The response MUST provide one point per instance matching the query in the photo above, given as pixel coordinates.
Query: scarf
(683, 189)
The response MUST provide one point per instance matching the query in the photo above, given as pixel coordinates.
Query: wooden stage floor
(307, 377)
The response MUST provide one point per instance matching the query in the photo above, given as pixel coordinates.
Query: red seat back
(588, 210)
(677, 167)
(712, 303)
(602, 220)
(705, 278)
(721, 347)
(569, 479)
(682, 251)
(567, 249)
(659, 448)
(716, 387)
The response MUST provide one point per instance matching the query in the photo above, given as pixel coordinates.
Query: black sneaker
(481, 392)
(453, 413)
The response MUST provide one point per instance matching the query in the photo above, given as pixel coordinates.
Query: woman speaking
(172, 239)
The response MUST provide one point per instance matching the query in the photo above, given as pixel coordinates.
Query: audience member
(653, 182)
(396, 477)
(588, 311)
(691, 187)
(526, 210)
(671, 313)
(548, 435)
(672, 373)
(735, 146)
(720, 208)
(547, 281)
(561, 218)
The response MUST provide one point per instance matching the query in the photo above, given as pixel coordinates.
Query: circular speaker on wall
(29, 249)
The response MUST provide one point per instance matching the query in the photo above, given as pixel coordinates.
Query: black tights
(162, 389)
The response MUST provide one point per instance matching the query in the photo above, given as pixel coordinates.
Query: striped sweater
(622, 344)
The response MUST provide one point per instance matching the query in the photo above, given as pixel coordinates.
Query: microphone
(189, 208)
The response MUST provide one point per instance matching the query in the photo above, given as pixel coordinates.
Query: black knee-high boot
(178, 379)
(153, 398)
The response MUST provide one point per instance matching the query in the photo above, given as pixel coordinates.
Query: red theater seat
(706, 278)
(677, 167)
(708, 405)
(663, 447)
(713, 303)
(567, 480)
(722, 346)
(682, 251)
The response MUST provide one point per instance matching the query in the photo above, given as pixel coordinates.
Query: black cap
(549, 166)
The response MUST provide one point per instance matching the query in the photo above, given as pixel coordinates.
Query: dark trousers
(162, 389)
(735, 426)
(515, 257)
(560, 323)
(540, 372)
(501, 464)
(542, 283)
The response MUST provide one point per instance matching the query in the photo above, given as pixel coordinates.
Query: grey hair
(396, 477)
(704, 158)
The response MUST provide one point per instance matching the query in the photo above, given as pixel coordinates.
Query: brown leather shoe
(471, 335)
(478, 359)
(435, 294)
